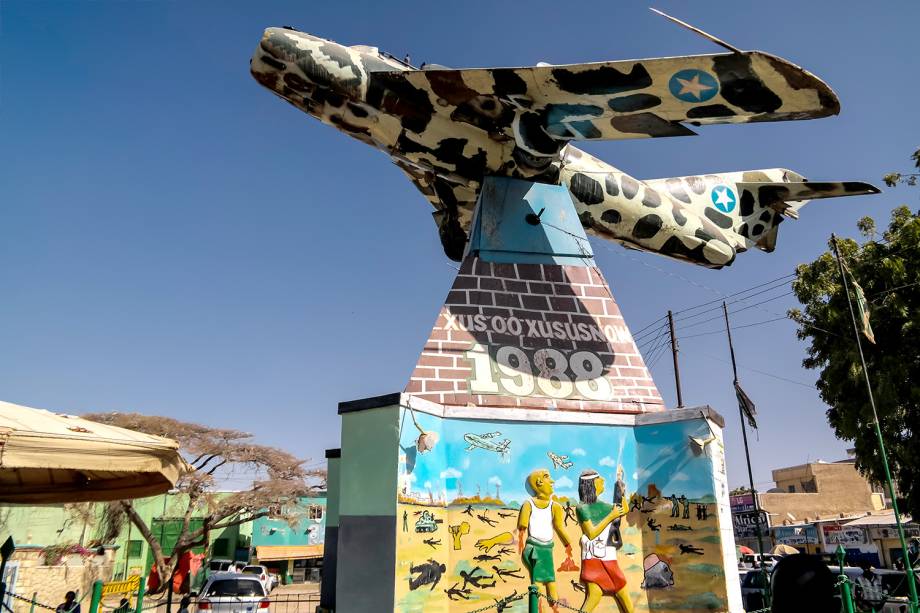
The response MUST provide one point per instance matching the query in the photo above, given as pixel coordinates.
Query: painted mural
(605, 518)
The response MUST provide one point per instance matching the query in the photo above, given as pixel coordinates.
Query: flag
(746, 404)
(863, 307)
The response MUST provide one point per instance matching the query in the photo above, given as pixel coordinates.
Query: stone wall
(50, 583)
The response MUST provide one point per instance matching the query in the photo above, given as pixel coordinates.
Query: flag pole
(747, 457)
(908, 566)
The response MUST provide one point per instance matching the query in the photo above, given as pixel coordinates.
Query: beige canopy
(50, 457)
(784, 550)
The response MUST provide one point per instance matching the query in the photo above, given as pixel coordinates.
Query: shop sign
(796, 535)
(843, 535)
(742, 503)
(878, 533)
(745, 524)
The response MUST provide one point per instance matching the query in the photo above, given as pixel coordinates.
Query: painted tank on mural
(448, 129)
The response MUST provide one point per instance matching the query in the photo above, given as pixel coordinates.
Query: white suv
(262, 573)
(234, 593)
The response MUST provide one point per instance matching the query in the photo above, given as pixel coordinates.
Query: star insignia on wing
(693, 87)
(724, 198)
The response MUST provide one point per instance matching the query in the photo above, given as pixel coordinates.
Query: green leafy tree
(887, 267)
(893, 179)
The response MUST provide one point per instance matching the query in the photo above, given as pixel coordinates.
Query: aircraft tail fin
(749, 205)
(770, 201)
(788, 198)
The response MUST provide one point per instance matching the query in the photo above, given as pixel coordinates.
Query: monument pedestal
(529, 367)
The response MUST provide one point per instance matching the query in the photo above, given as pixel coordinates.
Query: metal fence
(280, 603)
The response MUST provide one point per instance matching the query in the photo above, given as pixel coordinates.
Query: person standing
(70, 604)
(600, 571)
(686, 504)
(675, 505)
(539, 518)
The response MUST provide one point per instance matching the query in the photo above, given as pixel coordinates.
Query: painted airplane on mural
(448, 129)
(484, 441)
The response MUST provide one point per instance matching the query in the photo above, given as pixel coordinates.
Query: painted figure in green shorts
(540, 517)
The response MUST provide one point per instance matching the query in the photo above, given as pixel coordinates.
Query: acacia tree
(282, 479)
(887, 267)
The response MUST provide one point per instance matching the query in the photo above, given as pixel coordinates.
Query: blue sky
(178, 241)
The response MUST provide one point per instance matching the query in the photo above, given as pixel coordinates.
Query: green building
(47, 525)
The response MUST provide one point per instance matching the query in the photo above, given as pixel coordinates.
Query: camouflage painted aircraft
(448, 129)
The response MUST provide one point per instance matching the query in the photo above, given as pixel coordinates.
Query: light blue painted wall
(307, 531)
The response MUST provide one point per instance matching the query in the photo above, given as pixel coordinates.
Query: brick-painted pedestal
(533, 307)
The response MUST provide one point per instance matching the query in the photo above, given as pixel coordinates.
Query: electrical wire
(894, 289)
(722, 330)
(784, 279)
(653, 335)
(736, 300)
(639, 333)
(761, 372)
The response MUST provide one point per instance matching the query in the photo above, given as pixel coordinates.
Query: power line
(894, 289)
(644, 338)
(762, 372)
(743, 291)
(655, 350)
(756, 323)
(752, 306)
(639, 333)
(775, 283)
(742, 299)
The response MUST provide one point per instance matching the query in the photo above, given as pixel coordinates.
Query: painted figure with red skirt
(600, 571)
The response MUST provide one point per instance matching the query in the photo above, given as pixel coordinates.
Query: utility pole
(747, 457)
(674, 350)
(908, 566)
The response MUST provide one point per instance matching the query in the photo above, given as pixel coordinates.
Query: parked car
(217, 565)
(753, 588)
(886, 593)
(234, 593)
(262, 573)
(752, 560)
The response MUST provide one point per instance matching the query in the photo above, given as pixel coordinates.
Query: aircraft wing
(542, 105)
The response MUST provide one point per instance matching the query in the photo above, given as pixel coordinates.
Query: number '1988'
(546, 371)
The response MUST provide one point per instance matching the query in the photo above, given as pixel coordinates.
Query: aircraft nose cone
(273, 43)
(286, 44)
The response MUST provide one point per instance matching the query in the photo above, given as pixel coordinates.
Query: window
(134, 549)
(235, 587)
(316, 511)
(792, 489)
(220, 547)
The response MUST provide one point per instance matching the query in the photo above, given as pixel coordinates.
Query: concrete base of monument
(429, 499)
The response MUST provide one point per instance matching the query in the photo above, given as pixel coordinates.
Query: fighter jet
(560, 461)
(482, 441)
(448, 129)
